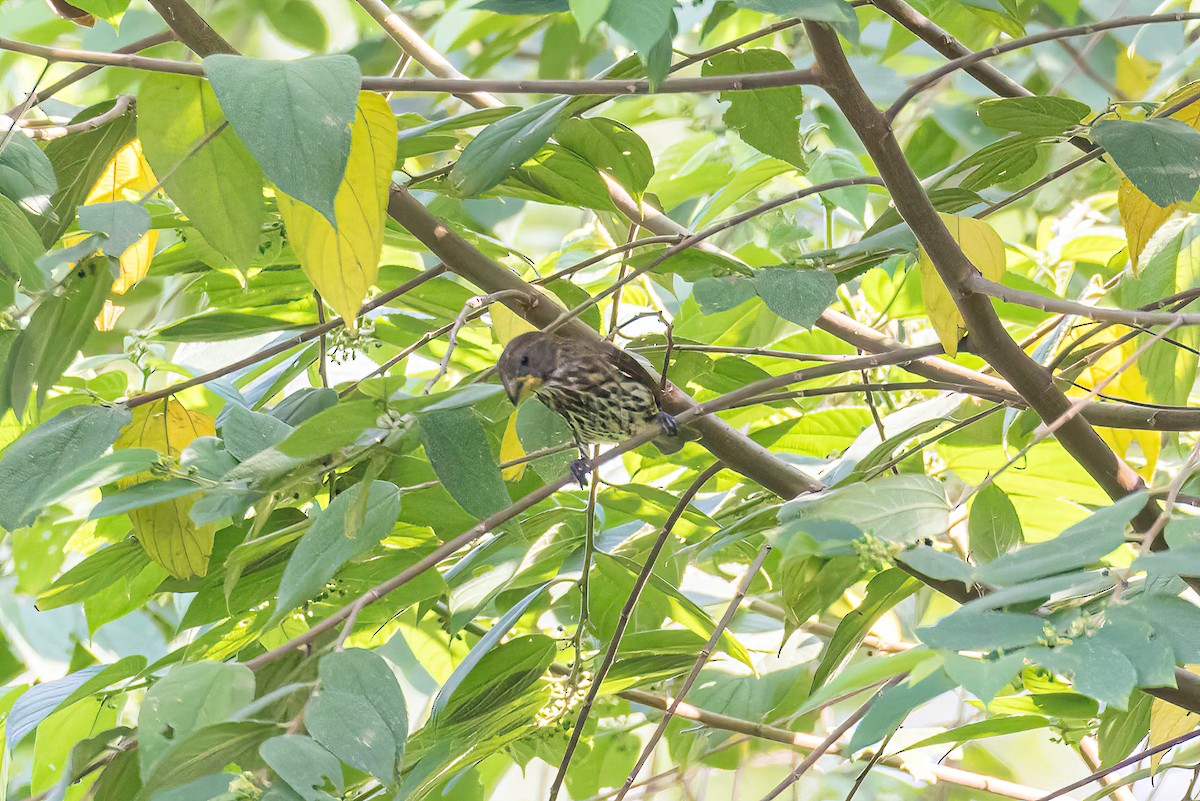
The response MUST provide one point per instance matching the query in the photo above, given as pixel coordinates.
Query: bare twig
(829, 740)
(701, 661)
(742, 82)
(935, 75)
(626, 614)
(286, 345)
(477, 303)
(122, 105)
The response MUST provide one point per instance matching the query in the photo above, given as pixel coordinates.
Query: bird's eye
(524, 361)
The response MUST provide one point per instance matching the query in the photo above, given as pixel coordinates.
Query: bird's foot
(580, 469)
(668, 424)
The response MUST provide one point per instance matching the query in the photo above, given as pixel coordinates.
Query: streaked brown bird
(602, 392)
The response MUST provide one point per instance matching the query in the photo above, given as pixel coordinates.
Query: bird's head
(526, 362)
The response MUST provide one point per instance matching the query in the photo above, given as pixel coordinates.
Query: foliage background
(166, 552)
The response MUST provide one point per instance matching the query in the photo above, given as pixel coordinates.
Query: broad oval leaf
(165, 529)
(218, 186)
(294, 117)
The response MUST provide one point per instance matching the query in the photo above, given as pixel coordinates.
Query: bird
(602, 392)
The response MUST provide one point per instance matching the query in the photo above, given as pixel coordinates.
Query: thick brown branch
(988, 335)
(732, 447)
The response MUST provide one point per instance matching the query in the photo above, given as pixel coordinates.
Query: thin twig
(122, 105)
(701, 661)
(933, 76)
(1176, 486)
(83, 72)
(741, 82)
(829, 740)
(589, 550)
(623, 622)
(1124, 763)
(477, 303)
(322, 366)
(196, 149)
(286, 345)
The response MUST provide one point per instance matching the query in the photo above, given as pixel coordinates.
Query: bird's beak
(521, 387)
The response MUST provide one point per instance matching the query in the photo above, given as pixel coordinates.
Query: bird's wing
(632, 368)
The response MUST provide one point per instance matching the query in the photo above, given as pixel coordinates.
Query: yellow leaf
(1129, 385)
(510, 448)
(166, 529)
(506, 324)
(983, 247)
(342, 263)
(1135, 74)
(1167, 722)
(128, 177)
(1140, 216)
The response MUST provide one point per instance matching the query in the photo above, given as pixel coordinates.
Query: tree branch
(455, 86)
(933, 76)
(1135, 317)
(736, 450)
(988, 335)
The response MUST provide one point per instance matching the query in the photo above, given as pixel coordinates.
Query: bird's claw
(580, 469)
(668, 424)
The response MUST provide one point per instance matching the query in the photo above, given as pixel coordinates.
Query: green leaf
(994, 528)
(294, 117)
(621, 573)
(587, 13)
(539, 428)
(111, 11)
(59, 327)
(722, 293)
(458, 449)
(40, 701)
(819, 10)
(219, 186)
(142, 495)
(248, 432)
(106, 566)
(366, 677)
(20, 246)
(995, 727)
(837, 164)
(610, 147)
(1122, 729)
(26, 175)
(766, 119)
(938, 564)
(326, 431)
(76, 435)
(121, 222)
(299, 22)
(522, 6)
(1158, 155)
(884, 591)
(210, 750)
(799, 296)
(186, 700)
(983, 631)
(482, 648)
(503, 146)
(1043, 116)
(867, 674)
(349, 728)
(311, 771)
(903, 508)
(1083, 543)
(330, 542)
(221, 326)
(79, 159)
(893, 705)
(642, 23)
